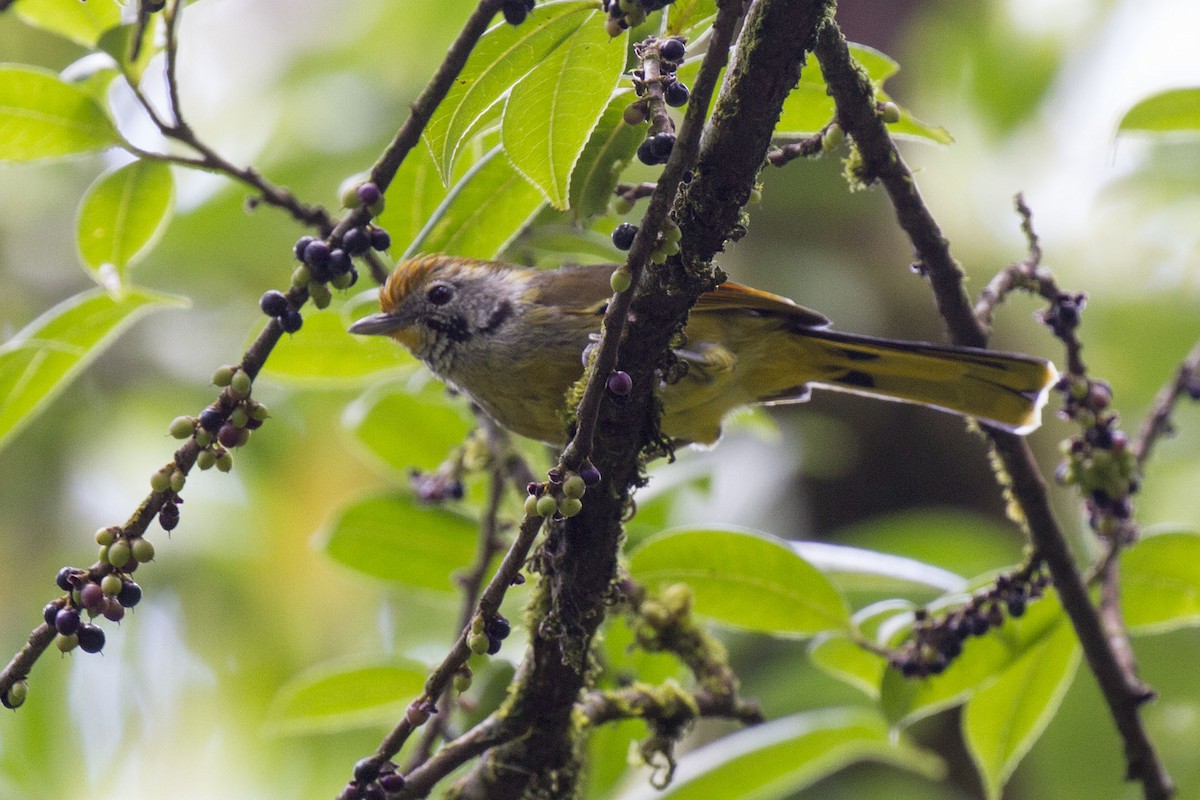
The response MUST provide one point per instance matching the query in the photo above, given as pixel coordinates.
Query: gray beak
(378, 324)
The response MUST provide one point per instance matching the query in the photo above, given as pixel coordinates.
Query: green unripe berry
(16, 694)
(301, 276)
(102, 558)
(225, 461)
(622, 205)
(320, 294)
(574, 487)
(241, 385)
(178, 479)
(119, 553)
(106, 536)
(620, 280)
(222, 376)
(377, 207)
(343, 281)
(672, 233)
(612, 26)
(570, 506)
(182, 427)
(478, 642)
(890, 112)
(206, 459)
(635, 113)
(658, 256)
(832, 138)
(259, 412)
(546, 505)
(670, 246)
(462, 681)
(160, 481)
(531, 508)
(143, 550)
(203, 438)
(239, 417)
(348, 192)
(110, 584)
(66, 644)
(755, 195)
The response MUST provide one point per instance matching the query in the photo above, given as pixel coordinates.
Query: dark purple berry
(380, 239)
(230, 435)
(316, 255)
(292, 320)
(253, 424)
(274, 303)
(1016, 605)
(515, 12)
(365, 771)
(622, 235)
(676, 94)
(589, 473)
(64, 578)
(498, 627)
(393, 783)
(645, 153)
(49, 612)
(661, 145)
(356, 241)
(91, 638)
(91, 597)
(211, 420)
(369, 194)
(301, 245)
(168, 517)
(66, 621)
(619, 383)
(339, 262)
(494, 645)
(672, 50)
(130, 594)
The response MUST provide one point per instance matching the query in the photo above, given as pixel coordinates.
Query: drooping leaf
(79, 22)
(323, 355)
(43, 117)
(610, 147)
(503, 55)
(551, 112)
(389, 536)
(43, 357)
(120, 216)
(379, 420)
(1160, 583)
(482, 213)
(746, 579)
(778, 758)
(342, 697)
(1172, 111)
(1002, 721)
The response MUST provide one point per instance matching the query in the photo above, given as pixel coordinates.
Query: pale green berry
(178, 479)
(620, 280)
(119, 553)
(833, 137)
(635, 113)
(658, 256)
(301, 276)
(320, 294)
(547, 505)
(66, 644)
(110, 584)
(182, 427)
(531, 508)
(570, 506)
(612, 26)
(890, 112)
(143, 550)
(106, 536)
(259, 411)
(203, 438)
(241, 385)
(377, 207)
(574, 487)
(16, 694)
(462, 681)
(103, 556)
(225, 461)
(343, 281)
(223, 376)
(239, 417)
(622, 205)
(206, 459)
(160, 481)
(478, 642)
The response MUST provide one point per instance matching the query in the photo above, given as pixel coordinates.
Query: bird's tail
(1005, 389)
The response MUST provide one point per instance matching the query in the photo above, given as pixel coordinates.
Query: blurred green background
(239, 599)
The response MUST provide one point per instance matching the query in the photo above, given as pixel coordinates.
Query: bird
(512, 338)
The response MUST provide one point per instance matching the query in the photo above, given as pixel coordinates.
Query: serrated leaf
(778, 758)
(608, 150)
(482, 213)
(44, 356)
(43, 117)
(746, 579)
(323, 355)
(1002, 721)
(552, 110)
(501, 58)
(389, 536)
(982, 661)
(79, 22)
(372, 419)
(1172, 111)
(1160, 583)
(342, 697)
(122, 213)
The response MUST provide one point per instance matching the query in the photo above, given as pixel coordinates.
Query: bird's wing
(734, 296)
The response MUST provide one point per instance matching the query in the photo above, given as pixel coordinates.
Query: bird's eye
(440, 294)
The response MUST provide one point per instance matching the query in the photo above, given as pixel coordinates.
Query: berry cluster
(936, 642)
(373, 782)
(109, 596)
(487, 635)
(624, 14)
(561, 495)
(655, 84)
(666, 245)
(515, 11)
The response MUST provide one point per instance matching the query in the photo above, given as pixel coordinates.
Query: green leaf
(43, 357)
(685, 15)
(120, 216)
(412, 198)
(776, 759)
(501, 58)
(983, 660)
(346, 696)
(746, 579)
(378, 421)
(118, 43)
(552, 110)
(856, 569)
(389, 536)
(838, 655)
(1160, 583)
(81, 22)
(323, 355)
(482, 213)
(1002, 721)
(1172, 111)
(608, 151)
(42, 117)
